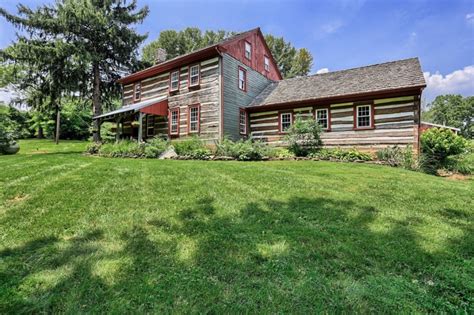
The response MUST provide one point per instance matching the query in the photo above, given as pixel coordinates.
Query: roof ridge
(354, 68)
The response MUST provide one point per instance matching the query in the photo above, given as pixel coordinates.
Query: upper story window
(242, 79)
(248, 50)
(174, 121)
(137, 91)
(194, 75)
(267, 63)
(174, 81)
(322, 118)
(286, 120)
(193, 116)
(242, 122)
(364, 116)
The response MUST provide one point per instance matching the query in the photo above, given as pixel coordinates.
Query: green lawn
(89, 234)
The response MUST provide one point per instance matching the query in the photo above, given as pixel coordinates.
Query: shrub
(93, 147)
(242, 150)
(341, 155)
(278, 152)
(396, 156)
(193, 148)
(8, 129)
(154, 147)
(437, 145)
(304, 137)
(124, 148)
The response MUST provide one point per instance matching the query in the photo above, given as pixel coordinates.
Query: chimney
(160, 56)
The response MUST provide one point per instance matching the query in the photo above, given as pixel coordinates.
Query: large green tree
(89, 40)
(290, 60)
(452, 110)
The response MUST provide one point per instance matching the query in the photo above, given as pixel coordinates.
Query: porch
(139, 121)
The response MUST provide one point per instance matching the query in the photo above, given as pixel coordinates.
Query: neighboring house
(234, 89)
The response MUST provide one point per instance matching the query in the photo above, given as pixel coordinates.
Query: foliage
(279, 152)
(453, 110)
(8, 129)
(437, 144)
(76, 119)
(154, 147)
(177, 43)
(350, 155)
(397, 156)
(93, 147)
(196, 237)
(290, 60)
(193, 148)
(106, 132)
(242, 150)
(41, 123)
(304, 136)
(19, 121)
(124, 148)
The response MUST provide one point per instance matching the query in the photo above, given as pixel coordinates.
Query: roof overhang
(408, 91)
(156, 106)
(171, 64)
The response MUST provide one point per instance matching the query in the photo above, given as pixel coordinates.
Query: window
(194, 75)
(248, 50)
(174, 121)
(242, 122)
(364, 116)
(267, 64)
(150, 125)
(322, 118)
(286, 120)
(174, 81)
(137, 91)
(193, 119)
(242, 79)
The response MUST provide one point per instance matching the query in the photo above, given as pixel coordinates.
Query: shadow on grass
(302, 255)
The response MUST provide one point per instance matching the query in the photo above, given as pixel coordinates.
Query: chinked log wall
(207, 95)
(395, 123)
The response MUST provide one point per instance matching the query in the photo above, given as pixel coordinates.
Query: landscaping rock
(223, 158)
(168, 154)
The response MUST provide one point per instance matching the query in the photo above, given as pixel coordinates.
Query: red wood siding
(236, 49)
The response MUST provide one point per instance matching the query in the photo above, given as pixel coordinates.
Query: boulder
(168, 154)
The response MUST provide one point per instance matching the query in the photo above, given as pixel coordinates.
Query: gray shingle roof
(375, 78)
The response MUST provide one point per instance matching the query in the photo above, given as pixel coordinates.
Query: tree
(101, 30)
(453, 110)
(291, 61)
(44, 59)
(182, 42)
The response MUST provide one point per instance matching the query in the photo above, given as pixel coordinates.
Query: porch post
(117, 130)
(140, 127)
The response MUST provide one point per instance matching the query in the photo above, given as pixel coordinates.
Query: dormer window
(174, 81)
(248, 50)
(194, 75)
(267, 63)
(137, 91)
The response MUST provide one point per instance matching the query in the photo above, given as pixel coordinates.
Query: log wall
(207, 95)
(395, 123)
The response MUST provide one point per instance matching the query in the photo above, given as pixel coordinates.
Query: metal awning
(158, 105)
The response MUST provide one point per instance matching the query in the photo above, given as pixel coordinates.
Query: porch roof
(157, 105)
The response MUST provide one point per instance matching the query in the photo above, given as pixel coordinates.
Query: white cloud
(332, 27)
(470, 18)
(323, 70)
(456, 82)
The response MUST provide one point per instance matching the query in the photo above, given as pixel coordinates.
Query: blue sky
(340, 34)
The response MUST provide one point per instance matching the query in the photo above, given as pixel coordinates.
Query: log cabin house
(234, 89)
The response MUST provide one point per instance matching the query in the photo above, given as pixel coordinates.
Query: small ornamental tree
(437, 145)
(304, 136)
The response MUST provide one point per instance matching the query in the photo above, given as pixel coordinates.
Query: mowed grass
(88, 234)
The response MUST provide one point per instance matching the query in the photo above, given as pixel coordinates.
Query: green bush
(242, 150)
(93, 147)
(278, 152)
(397, 156)
(304, 136)
(437, 145)
(8, 129)
(462, 163)
(124, 148)
(341, 155)
(155, 146)
(193, 148)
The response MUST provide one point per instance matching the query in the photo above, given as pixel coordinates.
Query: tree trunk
(58, 123)
(40, 132)
(96, 104)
